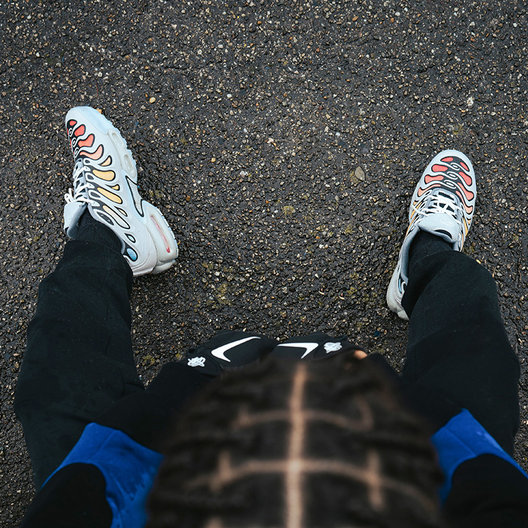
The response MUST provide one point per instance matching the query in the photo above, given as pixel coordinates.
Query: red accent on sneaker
(428, 178)
(469, 194)
(88, 142)
(421, 191)
(465, 177)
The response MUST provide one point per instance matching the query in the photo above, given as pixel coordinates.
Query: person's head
(298, 445)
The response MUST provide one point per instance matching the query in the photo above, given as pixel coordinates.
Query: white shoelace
(81, 187)
(440, 203)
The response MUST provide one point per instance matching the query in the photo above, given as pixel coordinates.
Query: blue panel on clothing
(461, 439)
(128, 467)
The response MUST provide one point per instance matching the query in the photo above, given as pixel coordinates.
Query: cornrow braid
(298, 445)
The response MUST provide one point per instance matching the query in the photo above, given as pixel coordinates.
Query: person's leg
(457, 342)
(79, 357)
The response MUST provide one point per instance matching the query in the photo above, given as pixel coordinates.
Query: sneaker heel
(161, 233)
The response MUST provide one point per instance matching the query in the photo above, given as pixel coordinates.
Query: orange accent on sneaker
(104, 175)
(111, 196)
(95, 155)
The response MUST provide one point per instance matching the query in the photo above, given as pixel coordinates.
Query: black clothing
(457, 343)
(79, 369)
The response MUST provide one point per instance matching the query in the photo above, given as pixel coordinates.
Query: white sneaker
(105, 182)
(442, 204)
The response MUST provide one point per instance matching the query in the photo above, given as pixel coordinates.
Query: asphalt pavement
(282, 140)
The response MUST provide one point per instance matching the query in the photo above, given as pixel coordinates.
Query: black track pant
(457, 344)
(79, 358)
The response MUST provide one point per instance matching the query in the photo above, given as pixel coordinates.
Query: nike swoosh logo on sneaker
(138, 201)
(310, 347)
(220, 351)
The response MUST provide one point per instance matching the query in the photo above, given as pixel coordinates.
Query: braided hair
(298, 445)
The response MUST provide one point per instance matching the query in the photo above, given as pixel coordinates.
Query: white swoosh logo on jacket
(308, 346)
(220, 351)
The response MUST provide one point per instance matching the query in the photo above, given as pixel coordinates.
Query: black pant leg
(79, 358)
(458, 345)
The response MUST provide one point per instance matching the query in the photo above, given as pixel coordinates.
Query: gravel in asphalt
(282, 140)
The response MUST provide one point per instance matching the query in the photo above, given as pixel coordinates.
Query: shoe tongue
(72, 212)
(443, 226)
